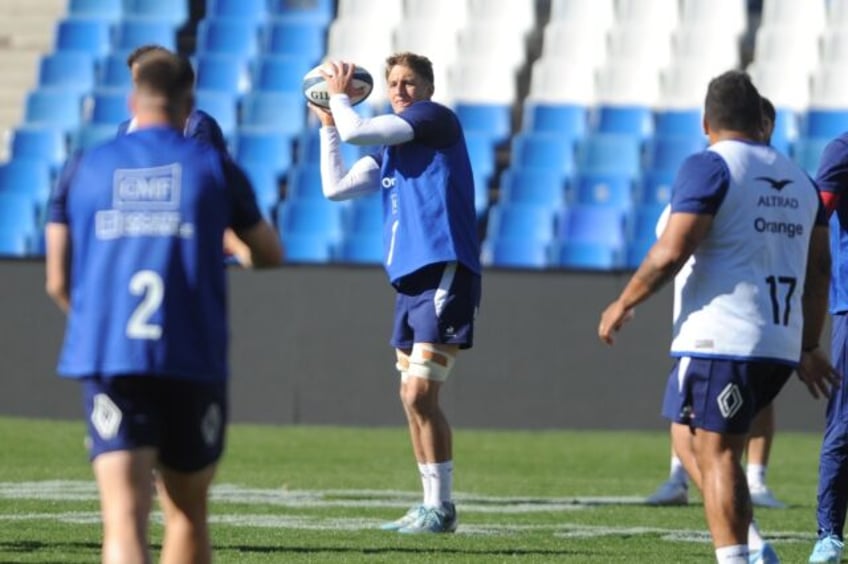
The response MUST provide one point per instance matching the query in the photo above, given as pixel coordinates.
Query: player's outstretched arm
(264, 245)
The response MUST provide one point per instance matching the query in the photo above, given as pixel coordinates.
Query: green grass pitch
(315, 494)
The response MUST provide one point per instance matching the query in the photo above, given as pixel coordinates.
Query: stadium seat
(228, 36)
(14, 242)
(811, 16)
(582, 255)
(307, 248)
(611, 189)
(574, 41)
(310, 217)
(543, 150)
(627, 83)
(320, 11)
(296, 36)
(609, 153)
(679, 121)
(174, 11)
(133, 32)
(519, 16)
(786, 130)
(567, 120)
(683, 83)
(255, 11)
(729, 16)
(494, 120)
(592, 223)
(796, 48)
(386, 12)
(283, 110)
(483, 81)
(640, 43)
(449, 14)
(113, 71)
(110, 106)
(54, 107)
(282, 73)
(516, 253)
(92, 35)
(265, 179)
(667, 152)
(521, 221)
(785, 89)
(74, 70)
(636, 251)
(807, 151)
(225, 73)
(538, 186)
(643, 221)
(304, 183)
(655, 186)
(431, 35)
(710, 46)
(825, 122)
(26, 177)
(44, 143)
(635, 121)
(263, 144)
(493, 40)
(18, 214)
(223, 106)
(660, 15)
(110, 10)
(361, 248)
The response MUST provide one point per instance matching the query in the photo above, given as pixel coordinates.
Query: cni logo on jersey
(145, 203)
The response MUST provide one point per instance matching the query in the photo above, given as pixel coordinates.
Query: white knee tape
(429, 363)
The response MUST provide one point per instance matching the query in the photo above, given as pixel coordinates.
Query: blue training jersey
(146, 215)
(428, 194)
(832, 177)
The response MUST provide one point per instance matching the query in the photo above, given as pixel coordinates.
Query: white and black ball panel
(315, 86)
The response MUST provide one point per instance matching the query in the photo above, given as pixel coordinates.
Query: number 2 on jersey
(776, 285)
(149, 285)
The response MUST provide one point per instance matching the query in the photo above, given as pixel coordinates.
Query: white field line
(60, 490)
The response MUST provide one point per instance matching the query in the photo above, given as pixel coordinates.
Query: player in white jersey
(747, 244)
(675, 490)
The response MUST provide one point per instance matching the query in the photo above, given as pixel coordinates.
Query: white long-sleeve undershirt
(364, 176)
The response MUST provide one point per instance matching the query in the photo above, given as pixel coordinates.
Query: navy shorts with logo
(436, 304)
(183, 420)
(721, 395)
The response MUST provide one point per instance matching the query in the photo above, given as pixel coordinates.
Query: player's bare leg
(183, 497)
(760, 440)
(727, 504)
(123, 479)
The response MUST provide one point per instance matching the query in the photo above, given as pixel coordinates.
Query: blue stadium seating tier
(18, 223)
(626, 120)
(54, 107)
(322, 11)
(544, 150)
(568, 120)
(133, 32)
(492, 119)
(174, 11)
(254, 11)
(110, 10)
(113, 71)
(667, 152)
(533, 185)
(588, 223)
(360, 248)
(91, 35)
(42, 143)
(110, 106)
(280, 73)
(297, 35)
(223, 106)
(517, 253)
(581, 255)
(73, 70)
(30, 178)
(807, 151)
(263, 144)
(825, 123)
(228, 36)
(221, 72)
(521, 221)
(283, 110)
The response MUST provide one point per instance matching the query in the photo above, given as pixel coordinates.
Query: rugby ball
(315, 86)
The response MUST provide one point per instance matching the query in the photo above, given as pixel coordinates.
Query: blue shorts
(184, 421)
(720, 395)
(436, 304)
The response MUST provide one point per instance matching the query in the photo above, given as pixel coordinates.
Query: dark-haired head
(733, 104)
(164, 84)
(769, 117)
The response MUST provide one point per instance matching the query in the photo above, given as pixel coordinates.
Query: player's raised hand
(612, 319)
(324, 115)
(339, 77)
(820, 377)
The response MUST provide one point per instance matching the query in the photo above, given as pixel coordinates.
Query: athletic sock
(678, 473)
(736, 554)
(756, 474)
(441, 483)
(755, 539)
(425, 481)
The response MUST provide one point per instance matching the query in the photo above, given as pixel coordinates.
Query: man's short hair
(139, 52)
(420, 65)
(733, 103)
(167, 76)
(769, 112)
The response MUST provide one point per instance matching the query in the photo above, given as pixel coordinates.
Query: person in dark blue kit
(423, 174)
(198, 125)
(134, 257)
(832, 181)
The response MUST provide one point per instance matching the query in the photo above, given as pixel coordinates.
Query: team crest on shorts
(106, 417)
